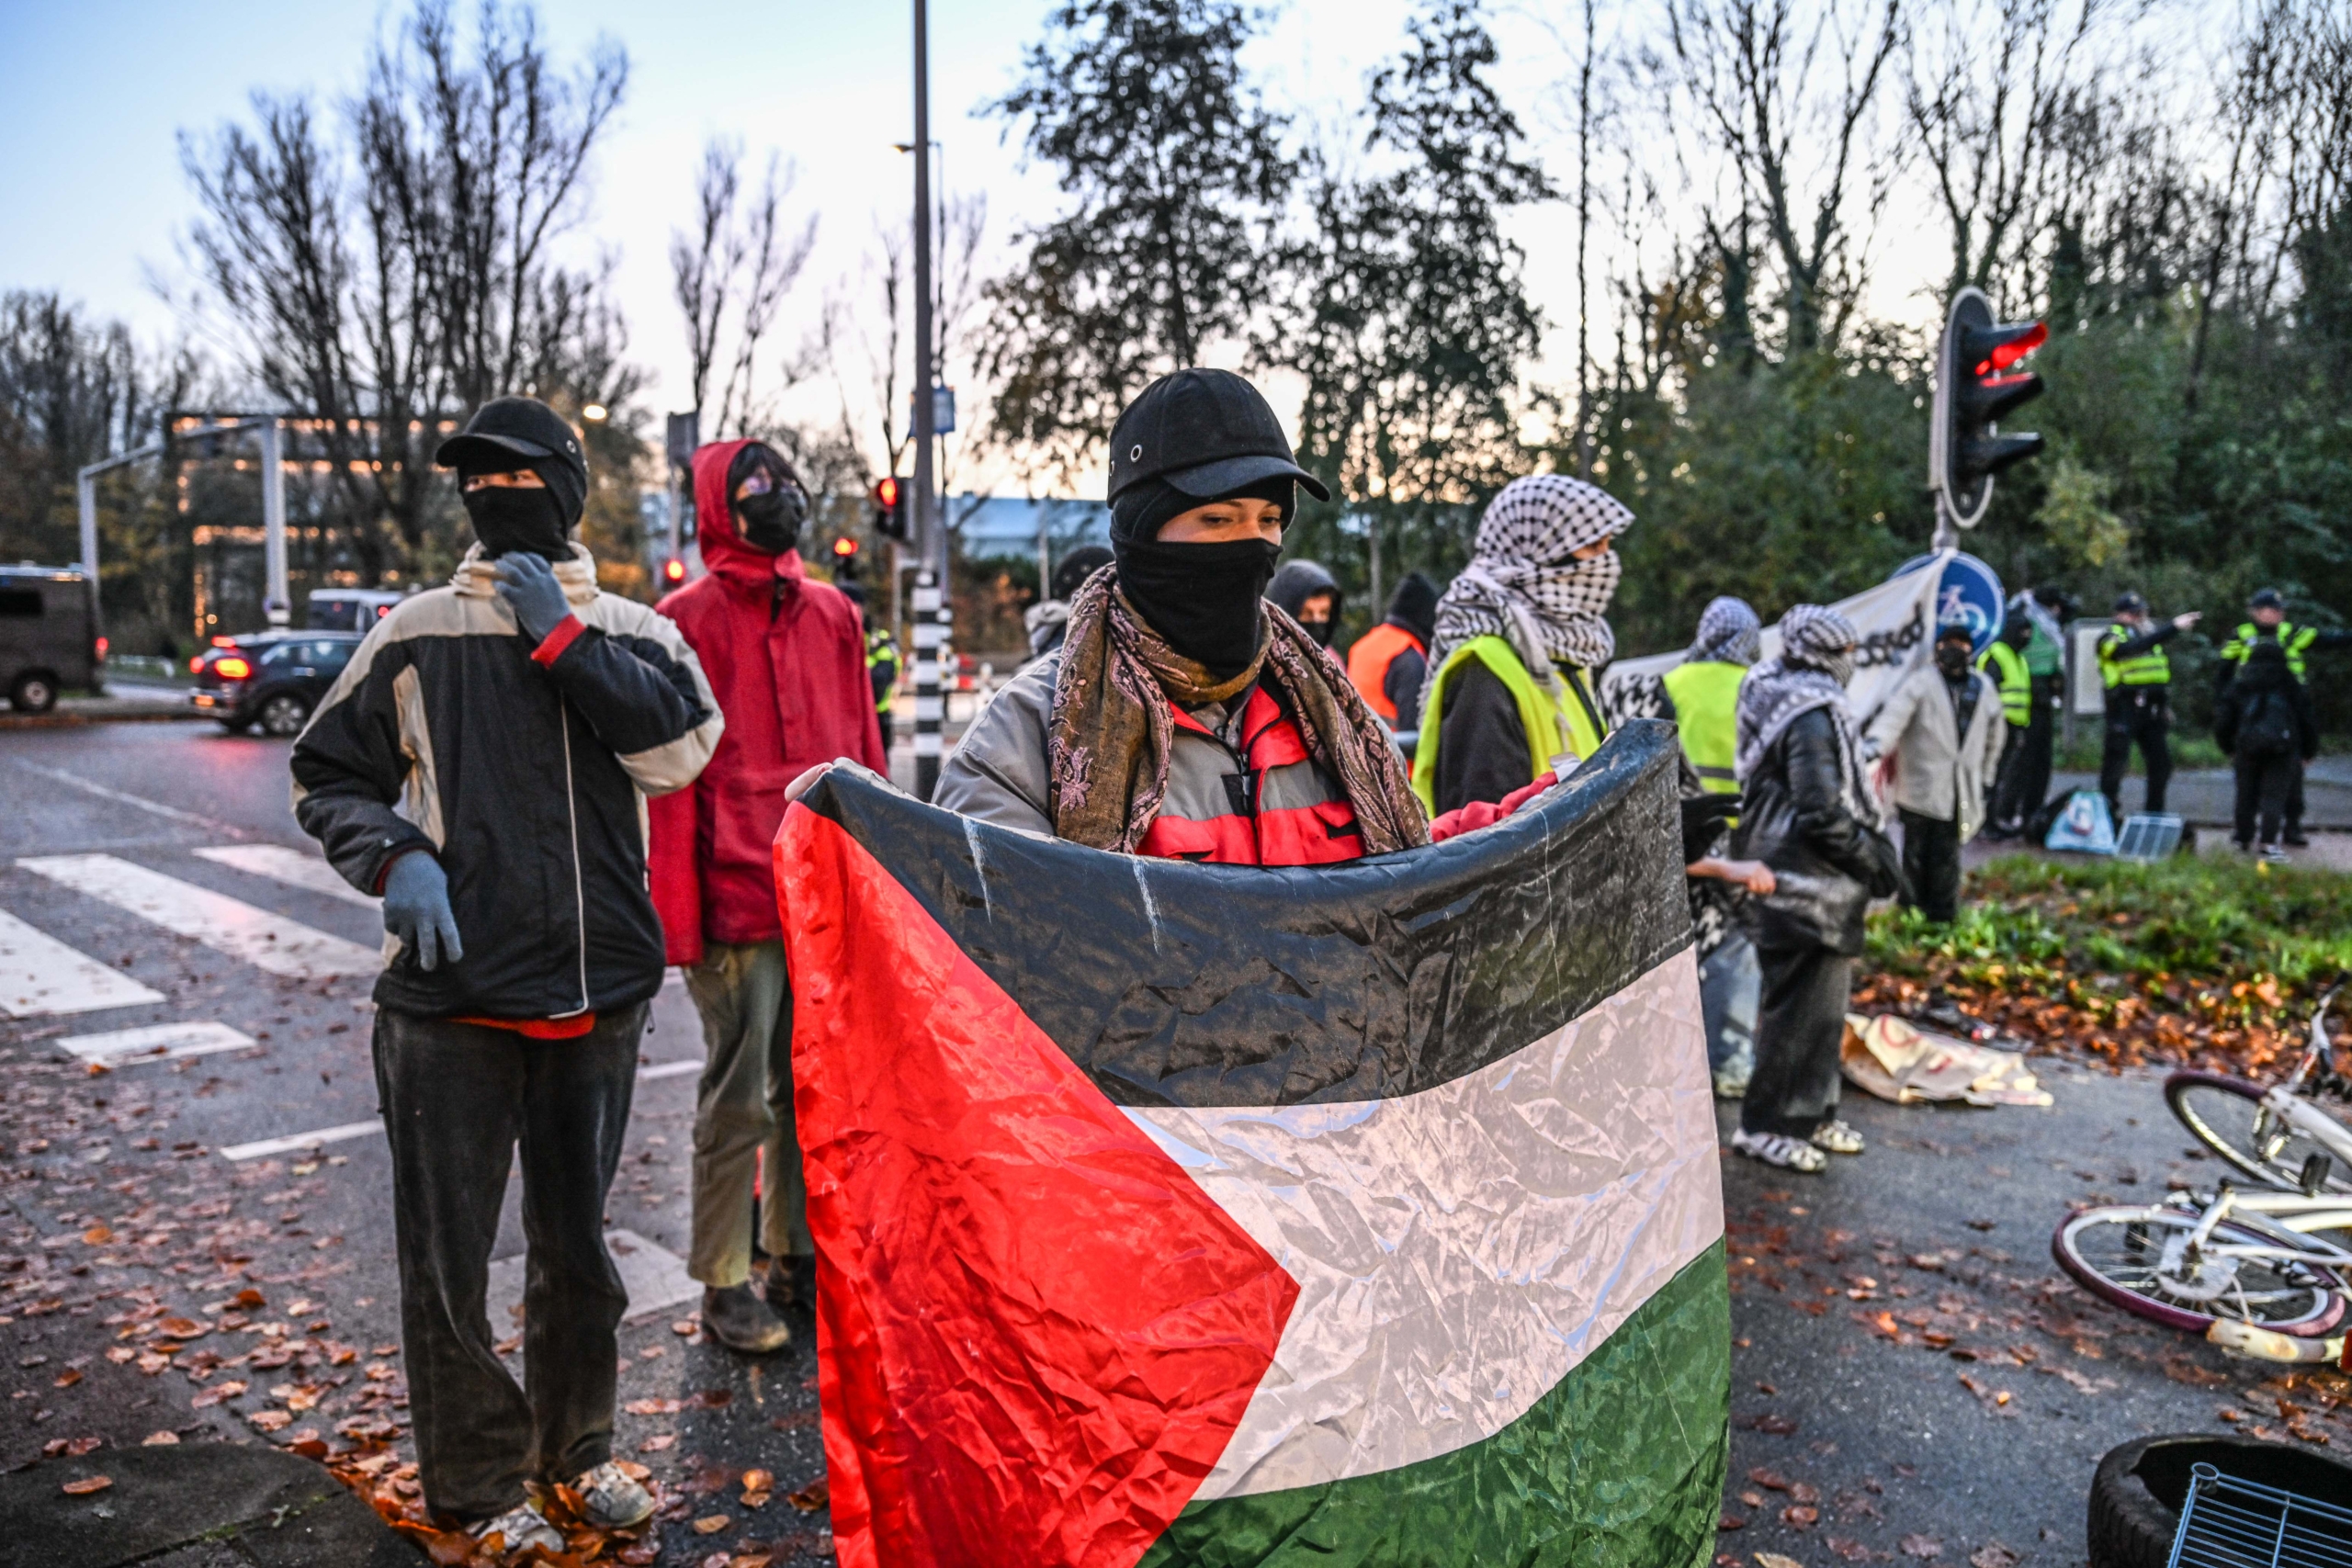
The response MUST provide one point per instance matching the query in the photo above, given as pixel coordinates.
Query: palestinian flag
(1173, 1213)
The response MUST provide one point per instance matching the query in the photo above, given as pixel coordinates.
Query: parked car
(271, 679)
(348, 609)
(48, 638)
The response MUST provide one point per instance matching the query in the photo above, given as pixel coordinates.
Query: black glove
(416, 910)
(528, 583)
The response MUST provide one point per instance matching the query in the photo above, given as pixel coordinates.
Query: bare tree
(737, 266)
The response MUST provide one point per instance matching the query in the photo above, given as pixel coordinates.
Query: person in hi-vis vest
(2003, 661)
(1509, 695)
(2266, 622)
(2137, 674)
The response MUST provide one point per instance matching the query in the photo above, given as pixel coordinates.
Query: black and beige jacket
(525, 769)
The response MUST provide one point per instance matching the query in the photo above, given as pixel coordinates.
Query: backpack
(2267, 727)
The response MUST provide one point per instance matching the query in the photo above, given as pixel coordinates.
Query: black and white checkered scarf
(1523, 584)
(1816, 660)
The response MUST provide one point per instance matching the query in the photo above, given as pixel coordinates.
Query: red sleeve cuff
(567, 632)
(1486, 814)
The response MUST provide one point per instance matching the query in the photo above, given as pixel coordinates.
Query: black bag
(1808, 911)
(2267, 727)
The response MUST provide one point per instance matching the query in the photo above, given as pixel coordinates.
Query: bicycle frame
(2285, 1099)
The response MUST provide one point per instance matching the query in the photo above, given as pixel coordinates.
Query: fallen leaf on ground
(88, 1485)
(711, 1524)
(1772, 1479)
(97, 1235)
(1774, 1560)
(1993, 1554)
(163, 1440)
(656, 1443)
(1799, 1517)
(809, 1498)
(69, 1377)
(271, 1420)
(1731, 1522)
(1921, 1546)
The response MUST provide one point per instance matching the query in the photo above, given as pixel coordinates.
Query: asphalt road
(1881, 1313)
(121, 1207)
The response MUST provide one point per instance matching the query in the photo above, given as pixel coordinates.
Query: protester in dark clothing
(1184, 716)
(1520, 635)
(1390, 662)
(787, 657)
(2264, 722)
(2266, 622)
(1807, 812)
(520, 718)
(1047, 621)
(1309, 596)
(2137, 674)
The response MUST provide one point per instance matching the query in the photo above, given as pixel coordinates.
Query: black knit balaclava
(1204, 598)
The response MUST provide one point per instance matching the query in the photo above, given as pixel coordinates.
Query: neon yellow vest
(1550, 733)
(2007, 668)
(2149, 669)
(1706, 707)
(2296, 641)
(880, 647)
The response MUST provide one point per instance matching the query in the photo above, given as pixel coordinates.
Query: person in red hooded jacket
(786, 657)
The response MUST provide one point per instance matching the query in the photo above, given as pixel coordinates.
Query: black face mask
(1953, 659)
(770, 521)
(508, 518)
(1319, 630)
(1205, 599)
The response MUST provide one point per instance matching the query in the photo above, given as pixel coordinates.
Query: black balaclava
(509, 518)
(1076, 568)
(768, 522)
(1204, 598)
(1951, 656)
(1414, 606)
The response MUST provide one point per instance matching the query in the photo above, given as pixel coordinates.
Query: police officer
(2134, 668)
(2004, 660)
(2268, 622)
(881, 658)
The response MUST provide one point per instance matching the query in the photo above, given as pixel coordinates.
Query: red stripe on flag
(1034, 1334)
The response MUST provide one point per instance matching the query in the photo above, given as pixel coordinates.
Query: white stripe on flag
(1461, 1251)
(295, 868)
(39, 974)
(156, 1043)
(273, 943)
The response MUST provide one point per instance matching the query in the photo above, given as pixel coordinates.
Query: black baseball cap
(1204, 433)
(2267, 599)
(2130, 603)
(504, 429)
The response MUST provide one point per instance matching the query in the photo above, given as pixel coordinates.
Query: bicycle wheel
(2117, 1255)
(2228, 1117)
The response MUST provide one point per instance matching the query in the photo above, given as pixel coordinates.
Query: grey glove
(416, 910)
(528, 583)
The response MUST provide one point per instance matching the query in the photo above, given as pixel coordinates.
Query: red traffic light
(886, 492)
(2011, 344)
(674, 569)
(844, 547)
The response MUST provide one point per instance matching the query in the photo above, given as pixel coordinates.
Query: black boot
(740, 1320)
(792, 1282)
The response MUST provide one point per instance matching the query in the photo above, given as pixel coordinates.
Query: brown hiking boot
(740, 1320)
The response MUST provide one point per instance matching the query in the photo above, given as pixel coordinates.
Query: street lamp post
(933, 615)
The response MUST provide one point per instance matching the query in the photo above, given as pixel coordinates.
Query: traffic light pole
(1947, 529)
(930, 621)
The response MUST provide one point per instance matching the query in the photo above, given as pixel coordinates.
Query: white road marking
(77, 782)
(655, 1276)
(39, 974)
(295, 868)
(155, 1042)
(376, 1125)
(303, 1140)
(269, 941)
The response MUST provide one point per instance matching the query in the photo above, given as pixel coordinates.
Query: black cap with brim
(484, 452)
(1231, 474)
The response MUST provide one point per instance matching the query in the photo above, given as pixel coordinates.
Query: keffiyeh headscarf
(1816, 660)
(1729, 632)
(1523, 584)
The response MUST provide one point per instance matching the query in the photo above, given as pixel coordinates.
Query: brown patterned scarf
(1109, 742)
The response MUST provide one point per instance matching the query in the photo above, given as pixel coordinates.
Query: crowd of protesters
(559, 792)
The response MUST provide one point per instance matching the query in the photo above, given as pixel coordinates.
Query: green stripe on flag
(1621, 1465)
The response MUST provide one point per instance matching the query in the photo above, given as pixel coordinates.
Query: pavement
(123, 703)
(196, 1248)
(2207, 798)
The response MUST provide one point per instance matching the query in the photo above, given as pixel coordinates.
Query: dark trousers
(2022, 780)
(1798, 1027)
(457, 1097)
(1930, 865)
(2141, 718)
(2295, 801)
(2264, 787)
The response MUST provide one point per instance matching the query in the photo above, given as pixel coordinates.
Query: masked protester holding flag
(519, 717)
(1183, 717)
(1806, 811)
(1510, 694)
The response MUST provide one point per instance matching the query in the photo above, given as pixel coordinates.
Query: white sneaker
(610, 1498)
(2275, 853)
(1838, 1138)
(521, 1527)
(1780, 1149)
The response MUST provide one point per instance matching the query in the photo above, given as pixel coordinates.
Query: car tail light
(196, 665)
(100, 649)
(224, 642)
(231, 667)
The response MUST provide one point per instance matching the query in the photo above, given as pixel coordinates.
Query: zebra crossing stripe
(40, 974)
(297, 1141)
(291, 867)
(256, 936)
(155, 1042)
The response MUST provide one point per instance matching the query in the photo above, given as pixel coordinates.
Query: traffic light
(844, 560)
(1975, 387)
(674, 571)
(890, 508)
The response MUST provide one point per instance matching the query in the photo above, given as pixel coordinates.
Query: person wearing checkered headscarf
(1540, 579)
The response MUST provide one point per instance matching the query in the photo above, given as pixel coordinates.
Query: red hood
(724, 555)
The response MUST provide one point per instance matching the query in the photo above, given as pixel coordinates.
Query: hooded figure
(1307, 594)
(786, 656)
(1045, 620)
(1807, 812)
(1390, 662)
(1183, 716)
(1520, 636)
(2264, 722)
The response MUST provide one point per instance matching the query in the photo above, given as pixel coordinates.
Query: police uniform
(2299, 643)
(2006, 663)
(2138, 677)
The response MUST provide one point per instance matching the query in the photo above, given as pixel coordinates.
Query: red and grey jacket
(524, 770)
(1241, 788)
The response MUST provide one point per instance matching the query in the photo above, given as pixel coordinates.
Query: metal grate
(2148, 836)
(2229, 1523)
